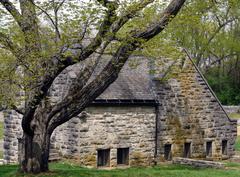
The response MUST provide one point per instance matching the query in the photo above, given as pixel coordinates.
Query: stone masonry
(109, 128)
(154, 115)
(12, 131)
(198, 163)
(190, 113)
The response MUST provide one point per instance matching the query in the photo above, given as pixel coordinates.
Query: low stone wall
(197, 163)
(232, 109)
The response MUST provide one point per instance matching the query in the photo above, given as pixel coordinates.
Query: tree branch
(111, 29)
(58, 63)
(104, 28)
(56, 9)
(5, 40)
(19, 111)
(13, 11)
(30, 26)
(72, 105)
(54, 23)
(9, 45)
(85, 74)
(60, 5)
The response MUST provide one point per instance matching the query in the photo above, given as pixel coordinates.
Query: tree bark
(34, 154)
(34, 149)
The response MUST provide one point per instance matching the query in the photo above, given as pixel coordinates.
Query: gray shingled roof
(133, 82)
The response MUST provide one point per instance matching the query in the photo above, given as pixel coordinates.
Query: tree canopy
(211, 38)
(40, 39)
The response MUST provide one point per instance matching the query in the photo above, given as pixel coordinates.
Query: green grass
(234, 115)
(68, 170)
(1, 130)
(232, 165)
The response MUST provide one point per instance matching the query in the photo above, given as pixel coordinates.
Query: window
(224, 147)
(187, 150)
(103, 157)
(209, 149)
(167, 152)
(123, 156)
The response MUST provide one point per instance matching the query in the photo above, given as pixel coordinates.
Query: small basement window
(103, 157)
(209, 149)
(167, 152)
(187, 150)
(123, 156)
(224, 147)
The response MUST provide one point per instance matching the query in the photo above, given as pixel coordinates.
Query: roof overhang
(123, 102)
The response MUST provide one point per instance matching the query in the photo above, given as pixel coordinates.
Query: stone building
(143, 118)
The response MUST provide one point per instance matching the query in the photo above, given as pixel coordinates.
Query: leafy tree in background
(40, 39)
(209, 32)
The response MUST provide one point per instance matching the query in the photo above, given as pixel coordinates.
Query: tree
(208, 30)
(42, 60)
(211, 39)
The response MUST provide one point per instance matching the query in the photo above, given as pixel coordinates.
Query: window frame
(224, 147)
(187, 154)
(124, 154)
(103, 157)
(209, 149)
(168, 156)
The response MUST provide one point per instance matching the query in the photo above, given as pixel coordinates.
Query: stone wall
(12, 131)
(190, 113)
(109, 128)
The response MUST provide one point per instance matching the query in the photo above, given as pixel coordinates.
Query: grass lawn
(68, 170)
(234, 115)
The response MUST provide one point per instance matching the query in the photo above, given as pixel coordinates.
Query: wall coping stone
(232, 109)
(197, 163)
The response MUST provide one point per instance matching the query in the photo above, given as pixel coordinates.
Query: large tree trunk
(34, 149)
(34, 153)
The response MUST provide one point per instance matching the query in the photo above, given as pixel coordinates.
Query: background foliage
(209, 32)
